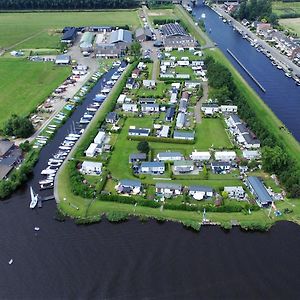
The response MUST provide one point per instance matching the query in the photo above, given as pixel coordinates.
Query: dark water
(282, 94)
(135, 260)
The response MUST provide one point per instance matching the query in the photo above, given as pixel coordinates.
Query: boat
(34, 199)
(46, 186)
(36, 228)
(288, 74)
(53, 164)
(84, 121)
(48, 172)
(203, 16)
(67, 148)
(45, 181)
(10, 261)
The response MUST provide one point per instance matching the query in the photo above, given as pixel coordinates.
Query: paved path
(198, 106)
(275, 53)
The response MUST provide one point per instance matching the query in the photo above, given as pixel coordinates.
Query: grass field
(40, 28)
(292, 24)
(209, 132)
(25, 84)
(161, 14)
(283, 8)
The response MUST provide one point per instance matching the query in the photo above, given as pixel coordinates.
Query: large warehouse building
(175, 36)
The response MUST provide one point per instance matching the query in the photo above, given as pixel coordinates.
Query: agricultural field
(293, 24)
(34, 82)
(284, 8)
(42, 30)
(161, 14)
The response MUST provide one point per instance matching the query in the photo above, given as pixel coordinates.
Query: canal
(137, 260)
(282, 94)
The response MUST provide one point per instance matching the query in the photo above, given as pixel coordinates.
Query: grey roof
(4, 170)
(70, 34)
(173, 29)
(147, 100)
(182, 105)
(250, 140)
(150, 105)
(63, 57)
(236, 118)
(217, 164)
(180, 119)
(183, 163)
(130, 183)
(139, 131)
(169, 154)
(200, 188)
(112, 116)
(170, 113)
(165, 185)
(5, 146)
(210, 104)
(137, 156)
(152, 164)
(184, 134)
(143, 31)
(120, 35)
(242, 128)
(259, 189)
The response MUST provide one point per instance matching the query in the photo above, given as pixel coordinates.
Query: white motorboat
(288, 75)
(10, 261)
(91, 109)
(53, 164)
(66, 148)
(46, 186)
(71, 139)
(36, 228)
(45, 181)
(84, 121)
(48, 172)
(55, 160)
(34, 199)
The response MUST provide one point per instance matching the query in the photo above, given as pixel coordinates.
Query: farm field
(39, 30)
(161, 14)
(284, 8)
(34, 82)
(292, 24)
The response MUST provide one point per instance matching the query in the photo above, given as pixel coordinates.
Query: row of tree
(275, 159)
(256, 10)
(66, 4)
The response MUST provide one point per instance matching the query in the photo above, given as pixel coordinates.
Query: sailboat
(34, 199)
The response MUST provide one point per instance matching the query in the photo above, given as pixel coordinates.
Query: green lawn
(43, 26)
(186, 70)
(282, 8)
(159, 91)
(189, 54)
(25, 84)
(161, 14)
(209, 132)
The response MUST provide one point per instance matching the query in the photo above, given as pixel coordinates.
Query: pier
(246, 70)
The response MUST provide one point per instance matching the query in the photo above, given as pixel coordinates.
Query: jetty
(247, 71)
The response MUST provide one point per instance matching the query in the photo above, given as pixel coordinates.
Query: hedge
(160, 140)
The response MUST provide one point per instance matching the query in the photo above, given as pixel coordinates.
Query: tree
(205, 173)
(143, 147)
(274, 159)
(135, 49)
(18, 126)
(25, 146)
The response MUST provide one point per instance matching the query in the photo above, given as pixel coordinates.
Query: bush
(18, 126)
(192, 225)
(116, 216)
(160, 140)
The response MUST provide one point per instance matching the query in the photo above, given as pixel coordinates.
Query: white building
(100, 137)
(235, 192)
(91, 150)
(251, 154)
(200, 155)
(229, 108)
(130, 107)
(121, 99)
(169, 156)
(225, 155)
(91, 168)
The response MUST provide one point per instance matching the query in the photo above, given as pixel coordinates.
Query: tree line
(275, 158)
(66, 4)
(253, 10)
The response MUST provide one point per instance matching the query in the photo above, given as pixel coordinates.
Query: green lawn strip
(16, 27)
(180, 54)
(34, 82)
(158, 91)
(262, 111)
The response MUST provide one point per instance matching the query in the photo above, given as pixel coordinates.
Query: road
(274, 52)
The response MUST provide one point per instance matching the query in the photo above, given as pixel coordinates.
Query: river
(282, 94)
(140, 261)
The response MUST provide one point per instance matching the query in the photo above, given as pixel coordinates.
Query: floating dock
(246, 70)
